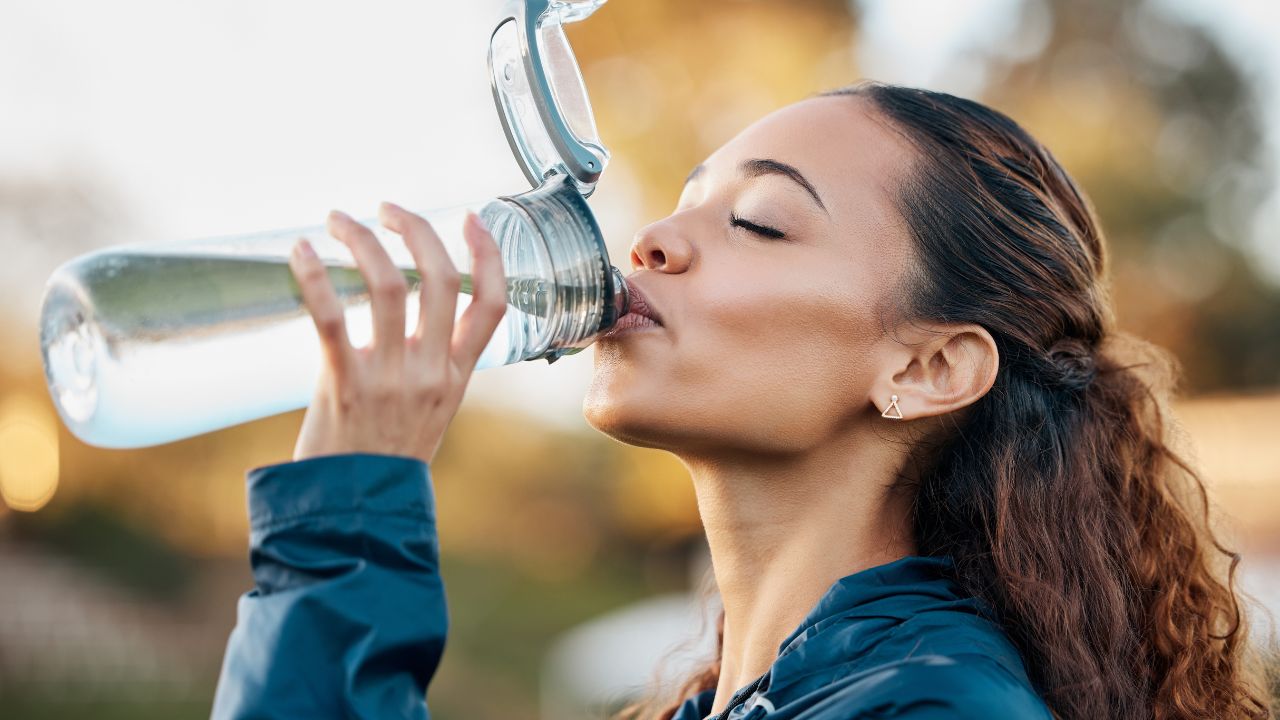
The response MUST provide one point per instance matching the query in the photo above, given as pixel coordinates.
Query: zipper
(742, 695)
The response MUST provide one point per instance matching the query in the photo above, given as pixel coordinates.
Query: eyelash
(757, 229)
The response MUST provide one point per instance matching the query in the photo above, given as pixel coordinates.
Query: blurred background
(571, 561)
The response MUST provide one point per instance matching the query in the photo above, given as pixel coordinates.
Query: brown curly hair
(1056, 494)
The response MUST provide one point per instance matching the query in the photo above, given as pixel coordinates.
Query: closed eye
(758, 229)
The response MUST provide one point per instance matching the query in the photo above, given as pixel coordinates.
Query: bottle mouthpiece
(621, 294)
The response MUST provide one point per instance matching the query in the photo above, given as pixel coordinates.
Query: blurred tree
(1164, 132)
(672, 81)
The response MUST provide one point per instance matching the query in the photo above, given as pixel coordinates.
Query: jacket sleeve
(347, 618)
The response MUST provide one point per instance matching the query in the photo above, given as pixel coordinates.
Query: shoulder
(944, 661)
(902, 641)
(933, 687)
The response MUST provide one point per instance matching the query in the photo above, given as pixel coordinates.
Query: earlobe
(893, 412)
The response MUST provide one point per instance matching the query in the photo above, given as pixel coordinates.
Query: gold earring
(893, 406)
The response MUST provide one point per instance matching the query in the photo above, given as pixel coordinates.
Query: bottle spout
(621, 300)
(616, 306)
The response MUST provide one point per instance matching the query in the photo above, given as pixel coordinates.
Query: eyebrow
(764, 166)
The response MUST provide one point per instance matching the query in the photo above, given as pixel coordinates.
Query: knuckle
(495, 319)
(495, 308)
(346, 398)
(384, 391)
(428, 390)
(495, 300)
(311, 273)
(328, 322)
(331, 325)
(392, 288)
(451, 279)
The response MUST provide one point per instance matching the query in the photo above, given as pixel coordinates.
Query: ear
(935, 369)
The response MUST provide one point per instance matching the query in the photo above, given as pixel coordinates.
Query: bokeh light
(28, 453)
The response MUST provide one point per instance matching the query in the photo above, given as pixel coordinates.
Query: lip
(640, 315)
(630, 323)
(640, 304)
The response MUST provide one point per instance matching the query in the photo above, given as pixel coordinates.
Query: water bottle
(153, 342)
(148, 343)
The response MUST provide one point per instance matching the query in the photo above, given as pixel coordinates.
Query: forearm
(348, 616)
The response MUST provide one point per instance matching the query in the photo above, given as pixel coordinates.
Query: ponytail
(1060, 500)
(1076, 520)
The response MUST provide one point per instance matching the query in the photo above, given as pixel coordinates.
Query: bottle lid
(541, 99)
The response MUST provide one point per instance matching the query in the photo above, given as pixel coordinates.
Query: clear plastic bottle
(148, 343)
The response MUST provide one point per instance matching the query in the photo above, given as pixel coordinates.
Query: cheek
(790, 353)
(772, 361)
(787, 319)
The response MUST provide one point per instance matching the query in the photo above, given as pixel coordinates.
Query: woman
(932, 474)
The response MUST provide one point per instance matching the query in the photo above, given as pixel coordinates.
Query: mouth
(640, 314)
(641, 306)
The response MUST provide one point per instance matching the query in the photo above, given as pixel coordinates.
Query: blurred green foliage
(98, 539)
(135, 706)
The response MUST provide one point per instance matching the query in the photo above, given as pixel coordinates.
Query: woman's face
(768, 344)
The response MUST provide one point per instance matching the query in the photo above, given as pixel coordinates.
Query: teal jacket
(348, 619)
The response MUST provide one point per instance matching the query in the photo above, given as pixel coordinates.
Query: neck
(781, 531)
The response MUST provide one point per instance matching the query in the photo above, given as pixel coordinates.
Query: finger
(441, 282)
(326, 310)
(387, 289)
(488, 295)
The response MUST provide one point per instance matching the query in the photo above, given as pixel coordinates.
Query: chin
(625, 413)
(606, 405)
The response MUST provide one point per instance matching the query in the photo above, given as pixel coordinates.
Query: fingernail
(338, 215)
(474, 220)
(305, 250)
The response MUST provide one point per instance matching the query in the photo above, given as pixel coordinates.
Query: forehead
(850, 153)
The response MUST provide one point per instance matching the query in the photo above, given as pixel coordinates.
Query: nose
(660, 246)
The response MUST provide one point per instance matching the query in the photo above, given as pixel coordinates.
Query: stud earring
(893, 408)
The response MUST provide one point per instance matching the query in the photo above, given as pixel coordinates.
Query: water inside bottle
(227, 334)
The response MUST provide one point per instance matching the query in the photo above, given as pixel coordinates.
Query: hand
(397, 395)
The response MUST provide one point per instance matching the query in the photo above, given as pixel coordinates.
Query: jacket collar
(898, 589)
(886, 594)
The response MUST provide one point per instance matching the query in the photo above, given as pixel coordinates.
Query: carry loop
(742, 695)
(540, 95)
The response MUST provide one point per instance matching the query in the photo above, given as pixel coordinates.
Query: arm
(348, 616)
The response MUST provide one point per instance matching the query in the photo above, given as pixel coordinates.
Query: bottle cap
(539, 93)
